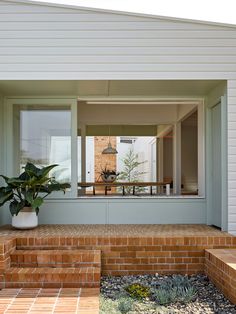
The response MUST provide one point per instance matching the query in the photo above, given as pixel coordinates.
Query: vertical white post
(167, 189)
(201, 150)
(74, 150)
(8, 145)
(177, 158)
(160, 159)
(83, 153)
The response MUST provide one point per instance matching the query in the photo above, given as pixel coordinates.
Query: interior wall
(184, 109)
(168, 156)
(126, 114)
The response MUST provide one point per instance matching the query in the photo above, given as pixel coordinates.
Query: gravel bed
(208, 300)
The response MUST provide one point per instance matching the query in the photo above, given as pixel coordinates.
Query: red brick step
(56, 258)
(17, 277)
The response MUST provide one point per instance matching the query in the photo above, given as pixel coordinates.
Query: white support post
(74, 150)
(177, 158)
(201, 150)
(160, 159)
(83, 153)
(167, 189)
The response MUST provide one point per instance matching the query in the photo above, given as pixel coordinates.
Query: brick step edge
(56, 258)
(87, 277)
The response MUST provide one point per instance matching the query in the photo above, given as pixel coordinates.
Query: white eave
(75, 7)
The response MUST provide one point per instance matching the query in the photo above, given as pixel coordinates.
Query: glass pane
(45, 138)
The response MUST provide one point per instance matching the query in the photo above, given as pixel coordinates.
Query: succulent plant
(138, 291)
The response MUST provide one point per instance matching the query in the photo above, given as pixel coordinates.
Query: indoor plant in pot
(27, 192)
(108, 176)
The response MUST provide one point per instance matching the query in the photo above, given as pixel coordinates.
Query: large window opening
(157, 159)
(125, 148)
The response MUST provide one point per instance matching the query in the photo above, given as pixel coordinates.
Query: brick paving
(113, 231)
(49, 301)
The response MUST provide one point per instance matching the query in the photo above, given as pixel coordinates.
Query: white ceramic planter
(26, 219)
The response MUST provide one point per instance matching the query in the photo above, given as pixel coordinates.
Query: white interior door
(216, 167)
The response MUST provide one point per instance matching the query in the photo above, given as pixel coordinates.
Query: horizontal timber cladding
(44, 41)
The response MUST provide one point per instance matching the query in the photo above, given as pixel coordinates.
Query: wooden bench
(107, 186)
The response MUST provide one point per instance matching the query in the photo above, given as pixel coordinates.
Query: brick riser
(51, 268)
(52, 278)
(131, 255)
(140, 255)
(56, 258)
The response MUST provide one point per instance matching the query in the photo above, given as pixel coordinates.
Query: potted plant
(27, 193)
(108, 176)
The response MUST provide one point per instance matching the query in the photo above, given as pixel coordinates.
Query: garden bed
(162, 295)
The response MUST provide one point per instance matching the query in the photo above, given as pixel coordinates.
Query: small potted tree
(27, 193)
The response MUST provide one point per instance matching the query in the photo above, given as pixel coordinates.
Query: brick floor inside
(49, 301)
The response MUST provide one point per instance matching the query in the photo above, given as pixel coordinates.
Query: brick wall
(220, 267)
(140, 255)
(101, 160)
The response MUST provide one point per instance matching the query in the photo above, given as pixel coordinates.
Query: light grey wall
(39, 41)
(128, 211)
(213, 97)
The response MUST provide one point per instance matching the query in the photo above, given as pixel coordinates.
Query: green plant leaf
(31, 169)
(58, 186)
(37, 202)
(5, 178)
(15, 207)
(44, 171)
(15, 182)
(24, 176)
(5, 196)
(29, 196)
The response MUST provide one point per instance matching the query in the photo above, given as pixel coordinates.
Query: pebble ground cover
(158, 294)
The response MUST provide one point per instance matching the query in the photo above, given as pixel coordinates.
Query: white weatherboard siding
(46, 42)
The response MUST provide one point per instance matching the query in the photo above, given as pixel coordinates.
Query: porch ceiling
(102, 88)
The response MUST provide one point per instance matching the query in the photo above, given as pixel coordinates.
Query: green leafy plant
(106, 173)
(138, 291)
(30, 188)
(175, 289)
(125, 305)
(165, 297)
(108, 306)
(130, 171)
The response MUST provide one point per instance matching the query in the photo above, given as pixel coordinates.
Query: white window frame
(200, 104)
(10, 164)
(71, 102)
